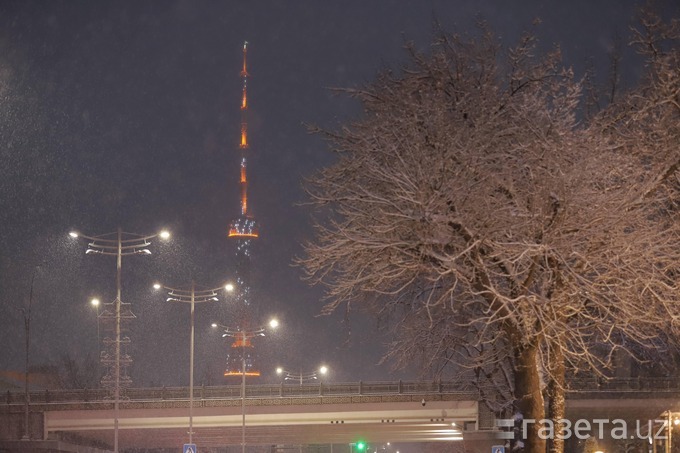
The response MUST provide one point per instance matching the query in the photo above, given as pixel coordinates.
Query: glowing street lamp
(302, 377)
(118, 244)
(192, 296)
(95, 303)
(243, 338)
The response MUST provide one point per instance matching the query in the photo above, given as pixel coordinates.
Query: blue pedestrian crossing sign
(189, 448)
(498, 449)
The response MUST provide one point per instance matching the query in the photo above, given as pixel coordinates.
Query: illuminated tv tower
(243, 230)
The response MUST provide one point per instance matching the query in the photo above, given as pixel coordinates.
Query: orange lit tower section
(244, 226)
(243, 230)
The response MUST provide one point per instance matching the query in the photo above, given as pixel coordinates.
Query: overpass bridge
(327, 414)
(322, 413)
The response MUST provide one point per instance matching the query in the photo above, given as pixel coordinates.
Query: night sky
(127, 114)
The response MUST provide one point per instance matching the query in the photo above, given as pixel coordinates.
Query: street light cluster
(259, 332)
(302, 377)
(120, 244)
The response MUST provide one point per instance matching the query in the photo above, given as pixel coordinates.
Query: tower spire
(244, 226)
(244, 133)
(243, 230)
(244, 71)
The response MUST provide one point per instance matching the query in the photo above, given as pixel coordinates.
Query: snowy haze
(127, 114)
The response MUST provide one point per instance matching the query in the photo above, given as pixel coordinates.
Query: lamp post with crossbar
(118, 244)
(302, 377)
(192, 296)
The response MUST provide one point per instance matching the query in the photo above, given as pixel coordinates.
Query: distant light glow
(156, 286)
(164, 234)
(324, 370)
(279, 370)
(244, 136)
(73, 234)
(240, 373)
(95, 302)
(243, 227)
(274, 323)
(229, 287)
(240, 342)
(234, 233)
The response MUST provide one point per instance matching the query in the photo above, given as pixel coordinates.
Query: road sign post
(189, 448)
(498, 449)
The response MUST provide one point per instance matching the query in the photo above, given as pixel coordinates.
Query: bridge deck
(279, 414)
(314, 414)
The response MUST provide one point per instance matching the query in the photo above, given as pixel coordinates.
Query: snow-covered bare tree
(499, 234)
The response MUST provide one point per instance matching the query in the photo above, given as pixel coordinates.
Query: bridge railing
(635, 384)
(234, 391)
(321, 389)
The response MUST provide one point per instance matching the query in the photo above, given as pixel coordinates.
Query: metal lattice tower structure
(243, 231)
(116, 330)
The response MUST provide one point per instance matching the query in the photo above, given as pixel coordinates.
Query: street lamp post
(118, 244)
(27, 326)
(669, 438)
(192, 296)
(302, 377)
(95, 303)
(244, 336)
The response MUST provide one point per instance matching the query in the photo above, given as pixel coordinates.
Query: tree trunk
(556, 399)
(528, 399)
